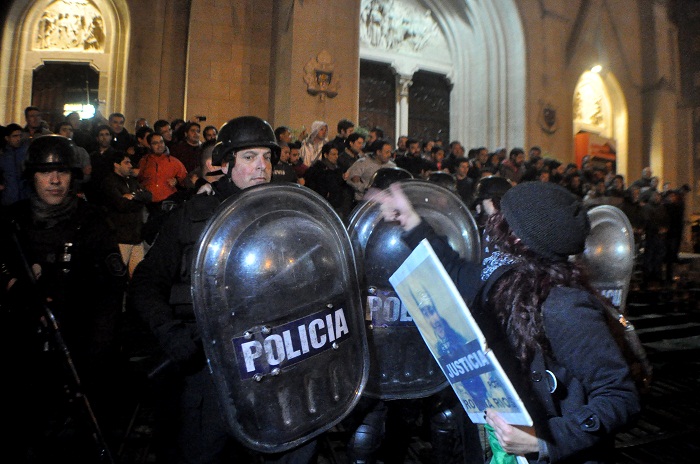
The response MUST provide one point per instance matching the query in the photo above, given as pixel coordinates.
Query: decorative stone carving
(591, 106)
(391, 25)
(318, 75)
(70, 25)
(547, 119)
(405, 84)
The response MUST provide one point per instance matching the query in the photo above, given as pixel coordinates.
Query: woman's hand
(395, 206)
(515, 440)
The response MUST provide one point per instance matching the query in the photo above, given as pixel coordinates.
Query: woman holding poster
(543, 320)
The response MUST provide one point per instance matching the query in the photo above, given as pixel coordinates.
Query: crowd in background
(169, 161)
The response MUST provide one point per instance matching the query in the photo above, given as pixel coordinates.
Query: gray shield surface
(401, 365)
(609, 253)
(277, 299)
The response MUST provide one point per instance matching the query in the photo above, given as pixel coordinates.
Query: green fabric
(499, 456)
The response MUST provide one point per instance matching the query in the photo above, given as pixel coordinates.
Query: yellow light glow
(597, 69)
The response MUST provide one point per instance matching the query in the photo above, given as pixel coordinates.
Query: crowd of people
(95, 205)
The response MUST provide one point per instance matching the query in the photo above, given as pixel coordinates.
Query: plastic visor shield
(609, 253)
(277, 299)
(401, 365)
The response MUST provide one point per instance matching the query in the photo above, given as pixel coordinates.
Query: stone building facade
(497, 73)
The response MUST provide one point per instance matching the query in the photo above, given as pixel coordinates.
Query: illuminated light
(85, 111)
(250, 259)
(596, 69)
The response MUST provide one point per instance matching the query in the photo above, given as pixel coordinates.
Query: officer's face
(253, 166)
(209, 134)
(52, 187)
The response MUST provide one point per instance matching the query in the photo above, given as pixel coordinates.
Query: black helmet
(244, 132)
(384, 177)
(50, 153)
(491, 187)
(443, 179)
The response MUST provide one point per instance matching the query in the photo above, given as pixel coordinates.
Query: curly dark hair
(517, 297)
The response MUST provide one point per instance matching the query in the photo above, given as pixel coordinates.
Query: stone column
(403, 83)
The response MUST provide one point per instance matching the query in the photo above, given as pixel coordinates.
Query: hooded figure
(311, 148)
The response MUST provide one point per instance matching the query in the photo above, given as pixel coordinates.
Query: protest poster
(455, 339)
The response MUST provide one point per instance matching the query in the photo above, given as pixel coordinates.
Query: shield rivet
(266, 330)
(372, 291)
(370, 327)
(329, 305)
(276, 371)
(258, 377)
(247, 335)
(335, 345)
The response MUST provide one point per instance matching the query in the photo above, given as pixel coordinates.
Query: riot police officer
(190, 427)
(78, 274)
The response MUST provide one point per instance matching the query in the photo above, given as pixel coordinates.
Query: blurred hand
(395, 206)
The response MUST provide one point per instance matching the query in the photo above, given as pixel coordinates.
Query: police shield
(277, 300)
(401, 366)
(609, 253)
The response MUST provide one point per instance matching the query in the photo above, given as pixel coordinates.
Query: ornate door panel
(378, 97)
(429, 107)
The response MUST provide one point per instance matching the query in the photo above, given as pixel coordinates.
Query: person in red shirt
(160, 173)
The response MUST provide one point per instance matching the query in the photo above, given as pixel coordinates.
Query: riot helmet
(244, 132)
(443, 179)
(384, 177)
(491, 187)
(50, 153)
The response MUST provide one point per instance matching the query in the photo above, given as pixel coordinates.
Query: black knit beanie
(549, 219)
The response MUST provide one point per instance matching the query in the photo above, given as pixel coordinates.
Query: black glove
(180, 346)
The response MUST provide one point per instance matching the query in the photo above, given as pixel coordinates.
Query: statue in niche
(70, 25)
(319, 78)
(393, 26)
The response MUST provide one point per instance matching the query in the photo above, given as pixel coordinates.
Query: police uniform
(190, 420)
(83, 276)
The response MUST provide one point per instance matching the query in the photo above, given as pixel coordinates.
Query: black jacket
(160, 286)
(595, 396)
(125, 216)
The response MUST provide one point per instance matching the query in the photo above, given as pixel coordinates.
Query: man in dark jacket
(125, 203)
(189, 420)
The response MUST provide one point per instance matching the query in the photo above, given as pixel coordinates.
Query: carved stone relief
(591, 105)
(319, 78)
(392, 25)
(70, 25)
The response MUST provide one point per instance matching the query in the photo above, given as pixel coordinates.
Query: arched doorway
(43, 33)
(600, 119)
(465, 42)
(60, 87)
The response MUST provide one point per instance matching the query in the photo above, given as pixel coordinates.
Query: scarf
(47, 216)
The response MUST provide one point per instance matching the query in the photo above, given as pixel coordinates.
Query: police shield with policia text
(252, 292)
